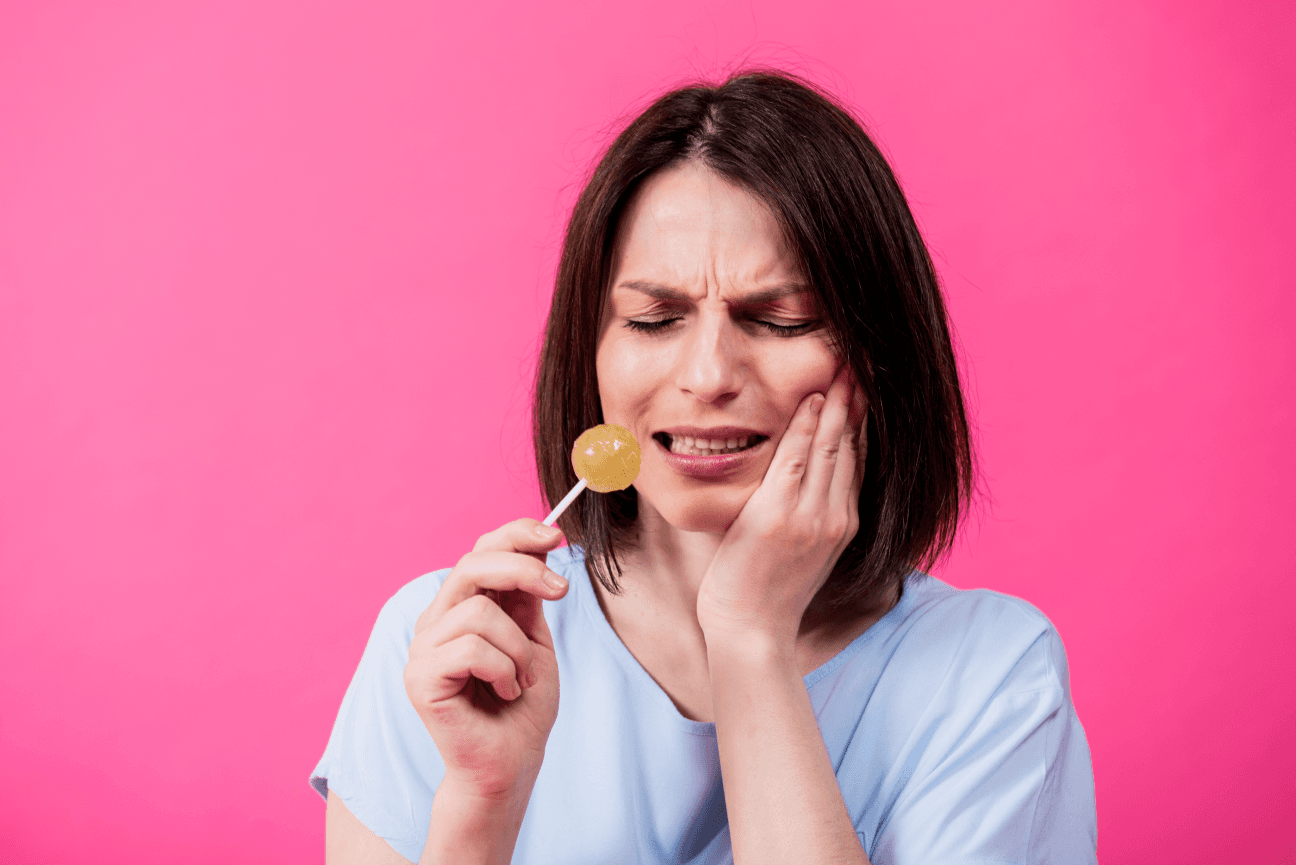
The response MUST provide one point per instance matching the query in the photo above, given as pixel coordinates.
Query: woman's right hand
(482, 672)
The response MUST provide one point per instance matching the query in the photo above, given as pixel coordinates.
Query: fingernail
(547, 532)
(816, 403)
(554, 581)
(530, 679)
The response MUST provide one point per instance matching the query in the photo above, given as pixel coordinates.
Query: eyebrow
(764, 295)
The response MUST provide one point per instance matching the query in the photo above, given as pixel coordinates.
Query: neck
(667, 563)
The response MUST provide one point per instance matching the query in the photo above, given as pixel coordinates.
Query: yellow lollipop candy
(606, 458)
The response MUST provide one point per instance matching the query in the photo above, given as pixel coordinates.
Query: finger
(843, 494)
(481, 616)
(788, 466)
(442, 673)
(524, 609)
(826, 445)
(859, 405)
(500, 571)
(521, 536)
(846, 486)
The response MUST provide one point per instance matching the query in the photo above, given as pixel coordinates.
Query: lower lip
(717, 466)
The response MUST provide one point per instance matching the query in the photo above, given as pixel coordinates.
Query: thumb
(541, 541)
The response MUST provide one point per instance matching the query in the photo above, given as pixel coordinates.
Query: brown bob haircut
(857, 244)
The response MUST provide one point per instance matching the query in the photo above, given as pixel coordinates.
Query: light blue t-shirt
(949, 724)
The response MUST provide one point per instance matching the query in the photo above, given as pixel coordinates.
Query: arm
(347, 841)
(486, 626)
(782, 796)
(481, 675)
(469, 829)
(464, 829)
(781, 792)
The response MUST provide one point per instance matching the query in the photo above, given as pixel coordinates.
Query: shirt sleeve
(1012, 784)
(380, 759)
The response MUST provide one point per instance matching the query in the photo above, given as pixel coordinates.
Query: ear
(862, 447)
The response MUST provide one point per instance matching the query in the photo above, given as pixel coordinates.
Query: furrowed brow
(773, 293)
(754, 298)
(654, 289)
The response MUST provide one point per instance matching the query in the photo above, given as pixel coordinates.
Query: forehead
(687, 226)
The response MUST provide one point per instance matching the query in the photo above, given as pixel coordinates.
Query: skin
(689, 232)
(718, 364)
(731, 567)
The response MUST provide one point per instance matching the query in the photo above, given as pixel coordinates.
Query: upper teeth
(688, 444)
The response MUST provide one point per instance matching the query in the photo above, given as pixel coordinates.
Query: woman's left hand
(780, 550)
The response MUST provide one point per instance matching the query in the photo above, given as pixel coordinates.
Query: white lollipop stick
(567, 500)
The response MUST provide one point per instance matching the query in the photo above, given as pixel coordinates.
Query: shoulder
(380, 761)
(974, 608)
(402, 609)
(979, 744)
(1000, 641)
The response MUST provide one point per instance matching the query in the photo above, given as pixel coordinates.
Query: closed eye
(650, 326)
(785, 329)
(780, 329)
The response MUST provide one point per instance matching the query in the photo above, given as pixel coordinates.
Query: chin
(711, 523)
(703, 513)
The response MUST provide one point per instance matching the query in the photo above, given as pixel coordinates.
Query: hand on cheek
(781, 548)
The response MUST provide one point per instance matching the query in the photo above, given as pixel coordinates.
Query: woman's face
(710, 336)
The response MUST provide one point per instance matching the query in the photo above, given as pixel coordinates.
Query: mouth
(702, 447)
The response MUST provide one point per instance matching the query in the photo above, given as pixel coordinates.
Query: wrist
(472, 825)
(734, 616)
(491, 794)
(734, 650)
(723, 626)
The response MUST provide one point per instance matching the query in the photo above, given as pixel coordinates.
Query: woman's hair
(855, 240)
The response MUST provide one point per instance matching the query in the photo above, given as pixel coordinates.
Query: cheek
(621, 379)
(798, 374)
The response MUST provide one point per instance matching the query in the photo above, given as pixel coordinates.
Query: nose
(710, 368)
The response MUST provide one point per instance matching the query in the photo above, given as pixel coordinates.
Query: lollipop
(606, 458)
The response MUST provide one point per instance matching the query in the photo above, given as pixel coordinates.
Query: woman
(743, 287)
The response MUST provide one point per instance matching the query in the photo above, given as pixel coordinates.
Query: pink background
(272, 276)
